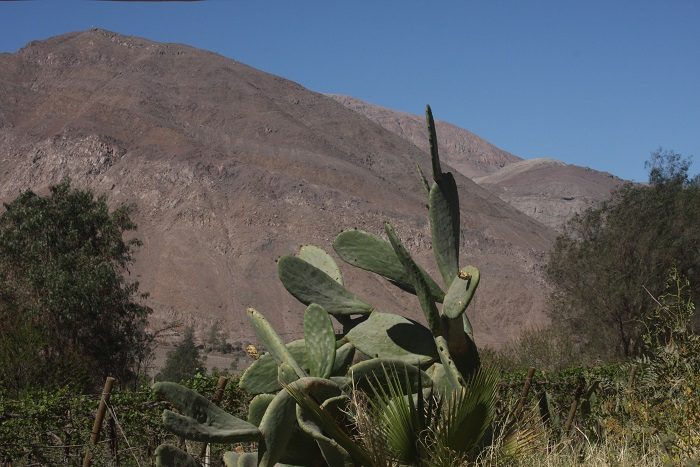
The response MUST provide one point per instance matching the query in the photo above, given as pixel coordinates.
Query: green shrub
(183, 362)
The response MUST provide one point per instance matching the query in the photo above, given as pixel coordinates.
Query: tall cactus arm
(443, 206)
(424, 297)
(423, 181)
(432, 139)
(443, 212)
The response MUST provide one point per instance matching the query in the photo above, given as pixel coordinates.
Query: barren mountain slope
(549, 190)
(463, 150)
(230, 168)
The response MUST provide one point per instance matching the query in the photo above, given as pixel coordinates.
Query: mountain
(229, 168)
(549, 190)
(545, 189)
(471, 155)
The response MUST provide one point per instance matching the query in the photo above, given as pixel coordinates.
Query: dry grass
(585, 453)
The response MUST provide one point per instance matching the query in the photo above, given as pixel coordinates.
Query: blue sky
(594, 83)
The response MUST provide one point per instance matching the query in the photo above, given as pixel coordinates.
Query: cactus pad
(443, 213)
(317, 257)
(201, 420)
(320, 341)
(243, 459)
(440, 382)
(170, 456)
(461, 292)
(261, 376)
(286, 374)
(343, 359)
(272, 341)
(311, 285)
(387, 335)
(371, 253)
(423, 180)
(368, 374)
(279, 421)
(257, 407)
(332, 452)
(432, 140)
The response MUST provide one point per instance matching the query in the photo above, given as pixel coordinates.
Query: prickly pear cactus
(320, 366)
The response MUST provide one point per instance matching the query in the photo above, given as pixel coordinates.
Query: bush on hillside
(609, 255)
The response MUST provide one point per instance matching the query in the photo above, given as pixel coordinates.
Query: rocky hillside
(469, 154)
(549, 190)
(231, 167)
(545, 189)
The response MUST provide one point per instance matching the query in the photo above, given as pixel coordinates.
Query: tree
(611, 257)
(216, 338)
(67, 313)
(183, 362)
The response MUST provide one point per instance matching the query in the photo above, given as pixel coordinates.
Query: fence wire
(52, 428)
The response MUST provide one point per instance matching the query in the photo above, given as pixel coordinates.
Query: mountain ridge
(231, 167)
(470, 154)
(545, 189)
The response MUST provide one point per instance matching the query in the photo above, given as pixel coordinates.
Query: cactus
(334, 454)
(460, 292)
(261, 376)
(310, 284)
(300, 386)
(318, 258)
(170, 456)
(427, 304)
(369, 252)
(320, 349)
(386, 335)
(443, 211)
(244, 459)
(200, 419)
(257, 408)
(273, 342)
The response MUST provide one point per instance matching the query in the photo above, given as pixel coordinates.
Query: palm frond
(468, 414)
(402, 419)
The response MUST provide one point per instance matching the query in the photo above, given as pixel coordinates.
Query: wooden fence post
(526, 390)
(99, 418)
(573, 407)
(218, 395)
